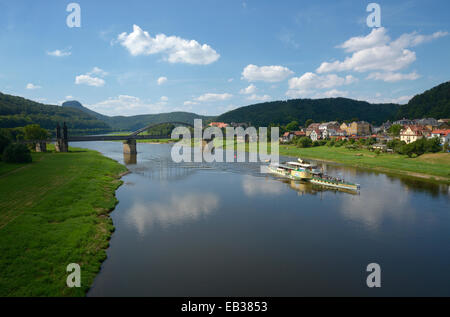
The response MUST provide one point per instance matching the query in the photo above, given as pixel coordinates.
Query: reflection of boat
(290, 170)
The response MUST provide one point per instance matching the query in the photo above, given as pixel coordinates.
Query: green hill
(433, 103)
(18, 112)
(330, 109)
(133, 123)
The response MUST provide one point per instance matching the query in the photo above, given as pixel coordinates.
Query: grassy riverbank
(429, 166)
(54, 212)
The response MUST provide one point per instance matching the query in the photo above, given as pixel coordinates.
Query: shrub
(316, 143)
(4, 142)
(304, 142)
(16, 153)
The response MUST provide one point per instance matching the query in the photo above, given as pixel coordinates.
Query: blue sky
(135, 57)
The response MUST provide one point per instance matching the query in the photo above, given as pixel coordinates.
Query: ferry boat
(305, 171)
(319, 178)
(290, 170)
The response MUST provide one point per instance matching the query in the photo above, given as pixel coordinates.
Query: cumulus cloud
(269, 74)
(31, 86)
(214, 97)
(173, 48)
(162, 80)
(92, 78)
(249, 90)
(59, 53)
(376, 52)
(310, 82)
(256, 97)
(124, 105)
(89, 80)
(393, 77)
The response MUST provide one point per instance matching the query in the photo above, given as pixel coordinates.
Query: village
(406, 130)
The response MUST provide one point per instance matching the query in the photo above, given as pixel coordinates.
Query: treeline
(433, 103)
(19, 112)
(318, 110)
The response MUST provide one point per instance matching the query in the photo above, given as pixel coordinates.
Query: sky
(211, 56)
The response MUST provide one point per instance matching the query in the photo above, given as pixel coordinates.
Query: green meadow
(53, 212)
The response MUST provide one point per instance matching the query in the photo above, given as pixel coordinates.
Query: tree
(4, 142)
(395, 129)
(35, 132)
(304, 142)
(16, 153)
(293, 126)
(309, 122)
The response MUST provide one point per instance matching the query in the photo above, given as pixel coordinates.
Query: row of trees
(13, 152)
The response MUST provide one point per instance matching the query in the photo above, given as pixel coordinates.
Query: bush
(4, 142)
(16, 153)
(316, 143)
(304, 142)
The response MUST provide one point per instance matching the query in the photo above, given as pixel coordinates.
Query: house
(356, 128)
(429, 122)
(404, 122)
(312, 127)
(412, 133)
(382, 129)
(315, 135)
(219, 125)
(329, 125)
(287, 137)
(443, 135)
(299, 134)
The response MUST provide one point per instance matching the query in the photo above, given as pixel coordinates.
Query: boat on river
(306, 171)
(290, 170)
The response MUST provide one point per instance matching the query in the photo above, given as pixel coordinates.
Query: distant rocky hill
(133, 123)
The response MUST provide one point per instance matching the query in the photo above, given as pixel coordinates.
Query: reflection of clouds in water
(253, 186)
(373, 206)
(178, 209)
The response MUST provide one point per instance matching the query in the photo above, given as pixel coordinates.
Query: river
(225, 229)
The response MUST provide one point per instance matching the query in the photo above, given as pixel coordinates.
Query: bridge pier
(129, 146)
(41, 147)
(61, 145)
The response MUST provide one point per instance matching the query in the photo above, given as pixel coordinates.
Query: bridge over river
(129, 141)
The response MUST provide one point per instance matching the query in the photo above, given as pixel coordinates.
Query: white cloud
(393, 77)
(164, 98)
(89, 80)
(69, 97)
(190, 103)
(249, 90)
(174, 49)
(256, 97)
(162, 80)
(332, 94)
(376, 52)
(309, 82)
(31, 86)
(214, 97)
(377, 37)
(124, 105)
(230, 80)
(59, 53)
(269, 74)
(98, 71)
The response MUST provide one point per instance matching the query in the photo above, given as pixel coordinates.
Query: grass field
(53, 212)
(431, 166)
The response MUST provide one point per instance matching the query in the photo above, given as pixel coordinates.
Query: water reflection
(175, 211)
(254, 186)
(129, 159)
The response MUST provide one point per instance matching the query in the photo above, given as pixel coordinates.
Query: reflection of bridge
(129, 145)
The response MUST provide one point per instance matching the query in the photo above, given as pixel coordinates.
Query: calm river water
(227, 230)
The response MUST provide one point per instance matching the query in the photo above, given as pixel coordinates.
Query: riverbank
(434, 167)
(53, 212)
